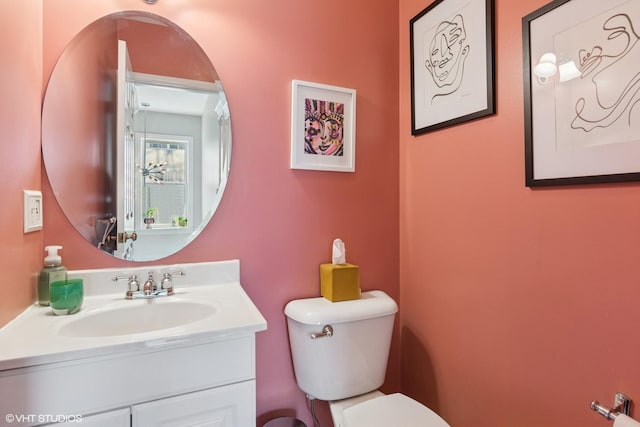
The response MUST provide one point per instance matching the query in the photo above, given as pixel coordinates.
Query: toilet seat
(391, 410)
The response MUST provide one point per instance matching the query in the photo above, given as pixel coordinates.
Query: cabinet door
(228, 406)
(117, 418)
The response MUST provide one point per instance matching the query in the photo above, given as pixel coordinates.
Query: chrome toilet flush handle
(327, 331)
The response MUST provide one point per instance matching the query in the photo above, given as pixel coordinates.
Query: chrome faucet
(150, 288)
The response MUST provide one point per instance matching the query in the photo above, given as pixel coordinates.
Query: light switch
(32, 211)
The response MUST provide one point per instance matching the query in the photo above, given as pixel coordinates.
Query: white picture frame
(323, 127)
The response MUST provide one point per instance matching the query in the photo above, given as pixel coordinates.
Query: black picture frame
(457, 84)
(562, 145)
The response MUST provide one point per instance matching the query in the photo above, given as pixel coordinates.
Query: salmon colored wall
(148, 52)
(82, 180)
(21, 70)
(518, 306)
(279, 222)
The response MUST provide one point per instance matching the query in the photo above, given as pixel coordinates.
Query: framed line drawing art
(323, 120)
(582, 126)
(452, 64)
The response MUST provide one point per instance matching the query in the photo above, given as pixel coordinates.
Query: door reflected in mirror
(136, 136)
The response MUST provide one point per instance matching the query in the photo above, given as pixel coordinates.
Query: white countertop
(34, 338)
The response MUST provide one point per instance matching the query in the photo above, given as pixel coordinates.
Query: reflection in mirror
(165, 181)
(136, 136)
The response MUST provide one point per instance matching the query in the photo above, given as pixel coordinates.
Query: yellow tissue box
(339, 282)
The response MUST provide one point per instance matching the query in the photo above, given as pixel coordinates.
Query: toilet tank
(353, 360)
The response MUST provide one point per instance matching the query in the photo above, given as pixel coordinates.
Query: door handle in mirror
(123, 237)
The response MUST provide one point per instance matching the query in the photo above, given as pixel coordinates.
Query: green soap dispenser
(53, 271)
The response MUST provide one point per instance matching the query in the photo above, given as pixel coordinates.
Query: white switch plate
(32, 211)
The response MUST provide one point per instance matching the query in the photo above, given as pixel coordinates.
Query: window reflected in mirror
(165, 180)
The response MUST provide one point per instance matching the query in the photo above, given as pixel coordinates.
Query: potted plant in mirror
(179, 221)
(149, 216)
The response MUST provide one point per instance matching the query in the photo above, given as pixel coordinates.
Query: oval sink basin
(137, 318)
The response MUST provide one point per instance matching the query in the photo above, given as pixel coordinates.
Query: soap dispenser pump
(53, 271)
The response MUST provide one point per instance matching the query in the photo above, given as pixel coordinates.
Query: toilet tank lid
(320, 311)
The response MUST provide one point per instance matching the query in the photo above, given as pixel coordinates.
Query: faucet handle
(133, 284)
(167, 280)
(175, 272)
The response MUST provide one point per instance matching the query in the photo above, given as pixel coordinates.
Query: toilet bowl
(376, 409)
(390, 410)
(340, 352)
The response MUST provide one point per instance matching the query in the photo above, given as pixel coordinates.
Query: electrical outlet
(32, 211)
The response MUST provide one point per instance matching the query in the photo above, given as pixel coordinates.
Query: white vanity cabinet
(208, 384)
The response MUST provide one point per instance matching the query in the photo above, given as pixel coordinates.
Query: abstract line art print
(590, 124)
(451, 64)
(446, 54)
(602, 104)
(322, 127)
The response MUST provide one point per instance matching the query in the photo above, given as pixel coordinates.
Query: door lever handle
(123, 237)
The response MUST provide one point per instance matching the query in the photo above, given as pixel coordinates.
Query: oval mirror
(136, 136)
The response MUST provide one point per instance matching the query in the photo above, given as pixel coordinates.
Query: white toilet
(340, 352)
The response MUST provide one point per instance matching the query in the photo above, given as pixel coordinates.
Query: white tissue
(338, 253)
(625, 421)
